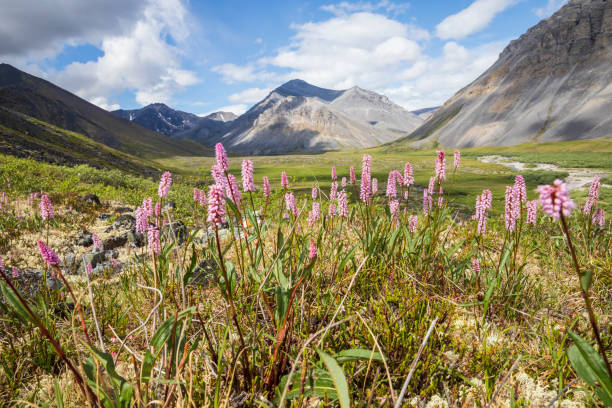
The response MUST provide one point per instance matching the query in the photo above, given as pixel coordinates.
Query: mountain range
(295, 117)
(553, 83)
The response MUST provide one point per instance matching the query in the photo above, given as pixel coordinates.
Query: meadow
(453, 283)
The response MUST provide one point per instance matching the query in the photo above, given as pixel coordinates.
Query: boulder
(114, 241)
(91, 199)
(123, 222)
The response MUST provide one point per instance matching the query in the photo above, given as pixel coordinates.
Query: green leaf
(357, 354)
(162, 335)
(282, 303)
(590, 366)
(16, 304)
(147, 366)
(487, 299)
(338, 378)
(585, 280)
(59, 400)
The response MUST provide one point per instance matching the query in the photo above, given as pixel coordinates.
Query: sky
(203, 56)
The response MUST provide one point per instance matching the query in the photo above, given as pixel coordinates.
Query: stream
(579, 178)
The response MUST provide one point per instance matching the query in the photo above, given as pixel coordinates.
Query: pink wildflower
(231, 190)
(15, 272)
(314, 193)
(426, 202)
(391, 185)
(48, 255)
(158, 209)
(153, 241)
(512, 203)
(247, 176)
(333, 191)
(164, 184)
(331, 212)
(142, 222)
(440, 197)
(290, 204)
(408, 177)
(394, 210)
(46, 207)
(196, 194)
(352, 176)
(312, 251)
(266, 187)
(315, 214)
(519, 184)
(476, 266)
(440, 166)
(432, 185)
(334, 175)
(218, 175)
(593, 195)
(89, 269)
(284, 180)
(457, 159)
(216, 210)
(96, 241)
(202, 195)
(343, 204)
(221, 157)
(1, 264)
(374, 186)
(343, 182)
(147, 206)
(599, 217)
(532, 212)
(366, 179)
(555, 200)
(412, 223)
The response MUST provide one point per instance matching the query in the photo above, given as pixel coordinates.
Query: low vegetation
(425, 287)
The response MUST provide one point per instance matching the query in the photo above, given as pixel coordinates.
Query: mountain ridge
(552, 83)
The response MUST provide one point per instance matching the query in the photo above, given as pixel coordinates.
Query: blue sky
(203, 56)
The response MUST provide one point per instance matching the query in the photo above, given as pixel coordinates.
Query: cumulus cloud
(344, 51)
(433, 80)
(29, 27)
(141, 60)
(551, 7)
(250, 95)
(472, 19)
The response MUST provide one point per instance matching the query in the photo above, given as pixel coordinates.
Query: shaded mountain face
(162, 119)
(39, 99)
(425, 113)
(553, 83)
(300, 117)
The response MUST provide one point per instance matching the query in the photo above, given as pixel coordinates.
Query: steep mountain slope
(425, 113)
(24, 136)
(298, 116)
(553, 83)
(40, 99)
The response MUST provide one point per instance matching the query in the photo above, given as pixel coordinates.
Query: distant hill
(300, 117)
(167, 121)
(553, 83)
(41, 100)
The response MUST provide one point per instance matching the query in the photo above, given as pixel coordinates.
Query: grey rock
(175, 229)
(92, 258)
(30, 281)
(123, 222)
(204, 273)
(136, 239)
(85, 240)
(123, 210)
(112, 254)
(70, 262)
(115, 241)
(91, 199)
(103, 216)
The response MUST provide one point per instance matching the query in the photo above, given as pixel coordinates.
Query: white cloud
(344, 51)
(472, 19)
(432, 81)
(238, 109)
(250, 95)
(344, 7)
(43, 28)
(141, 60)
(551, 7)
